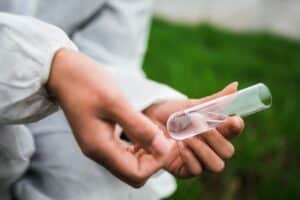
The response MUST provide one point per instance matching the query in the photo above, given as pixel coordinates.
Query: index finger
(140, 129)
(99, 144)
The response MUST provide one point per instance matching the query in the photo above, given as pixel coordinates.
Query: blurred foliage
(199, 60)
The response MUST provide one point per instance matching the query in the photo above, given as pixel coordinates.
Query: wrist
(59, 66)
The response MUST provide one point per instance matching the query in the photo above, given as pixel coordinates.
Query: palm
(209, 150)
(176, 161)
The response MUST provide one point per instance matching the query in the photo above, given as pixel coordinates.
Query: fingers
(212, 147)
(191, 162)
(177, 105)
(229, 89)
(232, 127)
(141, 130)
(221, 146)
(205, 154)
(163, 110)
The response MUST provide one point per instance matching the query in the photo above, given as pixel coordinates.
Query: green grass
(202, 59)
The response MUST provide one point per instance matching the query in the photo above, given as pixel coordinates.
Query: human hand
(93, 105)
(207, 151)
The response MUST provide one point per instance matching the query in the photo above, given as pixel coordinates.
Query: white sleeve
(117, 39)
(27, 48)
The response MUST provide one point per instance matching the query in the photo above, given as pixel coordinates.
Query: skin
(208, 151)
(93, 105)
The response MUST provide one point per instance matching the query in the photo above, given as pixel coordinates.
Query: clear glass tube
(203, 117)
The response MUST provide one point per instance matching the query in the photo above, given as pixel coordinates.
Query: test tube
(205, 116)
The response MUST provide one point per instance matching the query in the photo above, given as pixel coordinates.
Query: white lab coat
(114, 33)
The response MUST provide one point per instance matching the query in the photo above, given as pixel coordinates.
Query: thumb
(229, 89)
(141, 130)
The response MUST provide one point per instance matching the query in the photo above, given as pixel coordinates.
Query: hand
(93, 105)
(208, 151)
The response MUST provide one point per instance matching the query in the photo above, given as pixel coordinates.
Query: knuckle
(138, 180)
(103, 98)
(106, 102)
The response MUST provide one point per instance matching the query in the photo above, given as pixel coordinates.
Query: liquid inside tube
(206, 116)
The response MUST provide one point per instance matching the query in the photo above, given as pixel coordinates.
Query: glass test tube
(203, 117)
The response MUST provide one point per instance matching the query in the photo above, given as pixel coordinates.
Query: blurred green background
(200, 60)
